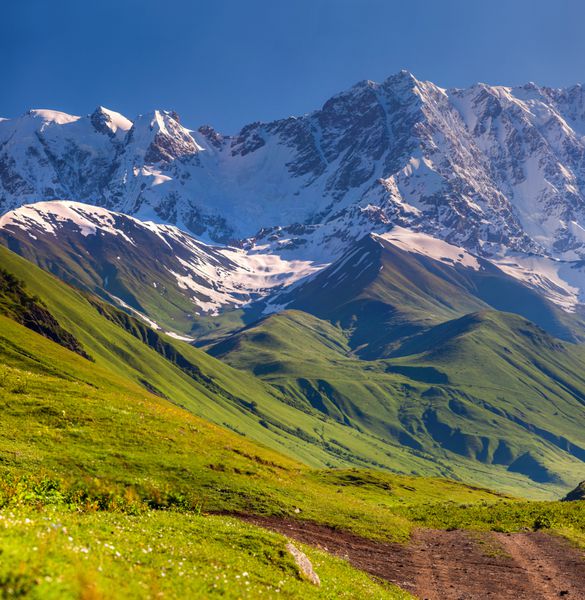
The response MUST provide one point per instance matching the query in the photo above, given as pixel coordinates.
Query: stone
(304, 564)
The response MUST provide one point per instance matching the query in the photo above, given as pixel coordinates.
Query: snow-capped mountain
(168, 277)
(157, 271)
(481, 167)
(497, 171)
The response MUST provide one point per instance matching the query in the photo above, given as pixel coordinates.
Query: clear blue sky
(229, 62)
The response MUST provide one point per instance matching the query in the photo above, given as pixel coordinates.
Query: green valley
(126, 450)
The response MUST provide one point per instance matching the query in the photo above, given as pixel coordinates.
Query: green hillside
(127, 356)
(301, 386)
(201, 384)
(111, 488)
(490, 395)
(116, 266)
(380, 294)
(412, 349)
(84, 422)
(110, 466)
(95, 453)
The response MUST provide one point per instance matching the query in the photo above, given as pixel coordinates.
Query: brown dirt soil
(456, 565)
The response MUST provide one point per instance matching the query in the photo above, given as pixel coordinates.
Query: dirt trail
(457, 565)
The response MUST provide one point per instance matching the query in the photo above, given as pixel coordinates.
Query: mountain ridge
(487, 167)
(158, 271)
(169, 277)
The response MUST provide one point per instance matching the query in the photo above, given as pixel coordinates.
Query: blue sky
(230, 62)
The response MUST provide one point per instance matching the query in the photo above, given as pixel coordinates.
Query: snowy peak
(53, 217)
(402, 83)
(109, 122)
(33, 123)
(426, 245)
(51, 116)
(159, 137)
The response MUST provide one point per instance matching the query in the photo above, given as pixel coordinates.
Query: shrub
(20, 386)
(542, 522)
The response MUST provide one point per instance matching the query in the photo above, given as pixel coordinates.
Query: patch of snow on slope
(421, 243)
(540, 225)
(343, 262)
(50, 216)
(254, 276)
(217, 276)
(262, 270)
(230, 276)
(176, 336)
(562, 282)
(152, 324)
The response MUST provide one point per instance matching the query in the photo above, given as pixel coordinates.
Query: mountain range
(404, 266)
(483, 167)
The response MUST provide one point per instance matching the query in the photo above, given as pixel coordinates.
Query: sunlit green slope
(489, 394)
